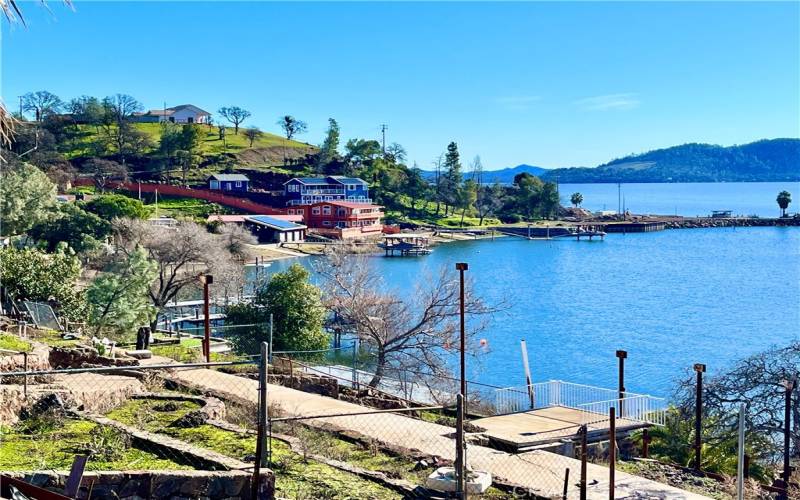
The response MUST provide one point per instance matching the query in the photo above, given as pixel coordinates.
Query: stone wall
(37, 361)
(85, 357)
(157, 485)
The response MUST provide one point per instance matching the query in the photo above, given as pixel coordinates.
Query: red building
(341, 219)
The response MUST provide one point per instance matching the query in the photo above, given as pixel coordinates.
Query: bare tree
(758, 382)
(104, 172)
(235, 115)
(183, 254)
(409, 334)
(41, 103)
(253, 134)
(292, 126)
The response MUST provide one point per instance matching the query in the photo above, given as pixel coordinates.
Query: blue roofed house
(309, 190)
(229, 182)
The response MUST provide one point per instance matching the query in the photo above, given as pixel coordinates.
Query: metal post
(270, 337)
(646, 443)
(461, 267)
(740, 461)
(612, 451)
(621, 355)
(584, 456)
(787, 434)
(355, 361)
(25, 369)
(461, 490)
(698, 415)
(566, 484)
(207, 280)
(528, 381)
(262, 420)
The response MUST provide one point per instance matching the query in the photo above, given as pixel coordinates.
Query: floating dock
(405, 244)
(635, 227)
(549, 233)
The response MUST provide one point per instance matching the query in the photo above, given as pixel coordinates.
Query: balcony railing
(313, 191)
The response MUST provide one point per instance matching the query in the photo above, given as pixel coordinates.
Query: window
(341, 212)
(291, 211)
(315, 211)
(326, 210)
(238, 184)
(351, 187)
(326, 223)
(300, 211)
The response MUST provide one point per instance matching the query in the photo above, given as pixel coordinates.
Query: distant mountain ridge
(502, 176)
(768, 160)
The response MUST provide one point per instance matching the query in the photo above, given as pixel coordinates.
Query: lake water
(671, 299)
(689, 199)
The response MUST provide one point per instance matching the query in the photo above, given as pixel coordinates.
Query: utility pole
(461, 449)
(787, 435)
(619, 198)
(384, 127)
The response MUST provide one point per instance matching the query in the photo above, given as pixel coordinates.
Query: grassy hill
(267, 150)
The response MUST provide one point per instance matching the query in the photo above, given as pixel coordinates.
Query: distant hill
(503, 176)
(766, 160)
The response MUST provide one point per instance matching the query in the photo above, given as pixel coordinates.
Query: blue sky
(550, 84)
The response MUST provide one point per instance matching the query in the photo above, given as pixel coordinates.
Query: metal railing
(629, 410)
(557, 393)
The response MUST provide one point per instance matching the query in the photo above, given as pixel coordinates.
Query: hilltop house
(185, 113)
(308, 190)
(229, 182)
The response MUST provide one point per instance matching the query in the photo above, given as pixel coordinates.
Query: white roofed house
(185, 113)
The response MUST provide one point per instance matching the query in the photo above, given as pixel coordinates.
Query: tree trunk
(463, 211)
(379, 370)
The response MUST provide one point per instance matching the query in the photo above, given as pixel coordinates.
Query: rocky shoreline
(705, 222)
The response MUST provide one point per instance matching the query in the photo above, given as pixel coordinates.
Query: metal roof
(229, 177)
(266, 220)
(327, 180)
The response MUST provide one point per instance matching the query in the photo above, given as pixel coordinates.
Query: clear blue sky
(550, 84)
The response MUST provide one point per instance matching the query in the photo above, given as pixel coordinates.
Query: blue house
(308, 190)
(229, 182)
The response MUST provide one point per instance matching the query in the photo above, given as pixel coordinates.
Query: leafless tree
(235, 115)
(757, 381)
(183, 254)
(104, 172)
(41, 103)
(253, 134)
(413, 334)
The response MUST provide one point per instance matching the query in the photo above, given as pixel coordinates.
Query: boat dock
(405, 244)
(549, 233)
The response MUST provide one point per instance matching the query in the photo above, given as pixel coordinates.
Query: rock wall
(85, 357)
(157, 485)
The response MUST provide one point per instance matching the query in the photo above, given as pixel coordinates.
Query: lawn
(211, 144)
(13, 343)
(425, 213)
(55, 447)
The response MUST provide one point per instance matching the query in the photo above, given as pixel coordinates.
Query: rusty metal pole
(621, 355)
(787, 434)
(207, 280)
(461, 455)
(646, 443)
(584, 457)
(612, 451)
(698, 415)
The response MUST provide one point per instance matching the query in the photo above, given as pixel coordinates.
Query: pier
(405, 244)
(549, 233)
(635, 227)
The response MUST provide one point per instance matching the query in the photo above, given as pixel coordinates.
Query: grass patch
(425, 213)
(295, 477)
(56, 448)
(14, 343)
(51, 338)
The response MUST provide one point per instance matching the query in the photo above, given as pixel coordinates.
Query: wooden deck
(525, 430)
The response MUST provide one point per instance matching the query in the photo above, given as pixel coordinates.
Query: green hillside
(271, 146)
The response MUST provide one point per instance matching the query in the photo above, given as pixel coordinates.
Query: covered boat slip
(553, 412)
(405, 244)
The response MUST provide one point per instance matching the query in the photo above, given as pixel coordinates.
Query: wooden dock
(536, 428)
(551, 233)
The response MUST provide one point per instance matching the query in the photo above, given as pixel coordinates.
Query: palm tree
(784, 198)
(576, 199)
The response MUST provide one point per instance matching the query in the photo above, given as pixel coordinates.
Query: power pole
(384, 127)
(619, 198)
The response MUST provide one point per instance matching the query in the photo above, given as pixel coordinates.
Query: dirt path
(538, 470)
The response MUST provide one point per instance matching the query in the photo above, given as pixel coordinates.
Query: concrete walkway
(537, 471)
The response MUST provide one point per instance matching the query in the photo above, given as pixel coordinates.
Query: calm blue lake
(671, 299)
(688, 199)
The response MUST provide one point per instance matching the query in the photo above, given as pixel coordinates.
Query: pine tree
(452, 179)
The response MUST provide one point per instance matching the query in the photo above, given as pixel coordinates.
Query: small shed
(229, 182)
(273, 230)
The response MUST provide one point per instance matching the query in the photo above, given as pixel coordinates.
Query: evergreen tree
(329, 148)
(118, 299)
(452, 178)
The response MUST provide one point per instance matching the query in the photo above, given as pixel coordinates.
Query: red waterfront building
(341, 219)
